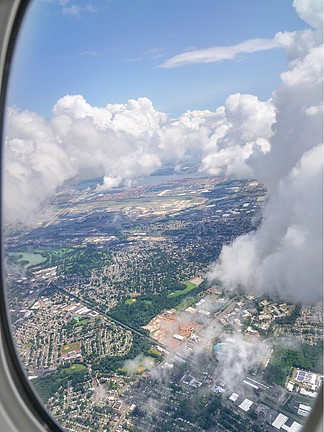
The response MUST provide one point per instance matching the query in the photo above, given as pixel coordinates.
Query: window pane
(163, 213)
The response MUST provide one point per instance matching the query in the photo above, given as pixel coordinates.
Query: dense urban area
(119, 329)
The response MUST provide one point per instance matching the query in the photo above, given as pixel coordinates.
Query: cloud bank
(123, 142)
(285, 255)
(278, 141)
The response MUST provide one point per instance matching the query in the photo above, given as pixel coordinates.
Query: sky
(117, 89)
(110, 51)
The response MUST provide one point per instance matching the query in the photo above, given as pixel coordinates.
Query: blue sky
(111, 51)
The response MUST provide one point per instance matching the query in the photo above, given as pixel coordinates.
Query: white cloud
(75, 9)
(244, 132)
(89, 53)
(217, 54)
(35, 164)
(152, 53)
(241, 356)
(285, 255)
(278, 141)
(310, 11)
(123, 142)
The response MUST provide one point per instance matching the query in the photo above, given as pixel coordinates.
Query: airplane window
(162, 213)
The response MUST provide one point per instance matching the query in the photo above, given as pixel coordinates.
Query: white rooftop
(246, 404)
(233, 397)
(279, 421)
(295, 427)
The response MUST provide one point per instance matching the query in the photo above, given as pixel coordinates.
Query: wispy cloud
(220, 53)
(75, 9)
(89, 53)
(152, 54)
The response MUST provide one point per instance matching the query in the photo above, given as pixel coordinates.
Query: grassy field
(81, 322)
(77, 260)
(130, 301)
(77, 367)
(185, 303)
(70, 347)
(189, 286)
(154, 351)
(58, 254)
(30, 258)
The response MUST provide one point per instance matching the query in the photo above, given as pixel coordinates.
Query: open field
(154, 352)
(130, 301)
(77, 367)
(185, 303)
(81, 322)
(70, 347)
(189, 286)
(27, 259)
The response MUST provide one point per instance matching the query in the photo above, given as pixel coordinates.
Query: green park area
(76, 374)
(79, 322)
(147, 302)
(130, 301)
(153, 352)
(69, 261)
(189, 286)
(140, 312)
(185, 303)
(78, 260)
(58, 255)
(70, 347)
(26, 259)
(73, 368)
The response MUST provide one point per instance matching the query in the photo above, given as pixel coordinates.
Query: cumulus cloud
(311, 11)
(123, 142)
(284, 256)
(278, 141)
(220, 53)
(35, 164)
(243, 132)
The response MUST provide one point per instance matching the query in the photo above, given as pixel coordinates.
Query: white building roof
(295, 427)
(233, 397)
(179, 337)
(308, 393)
(279, 421)
(290, 386)
(305, 407)
(246, 404)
